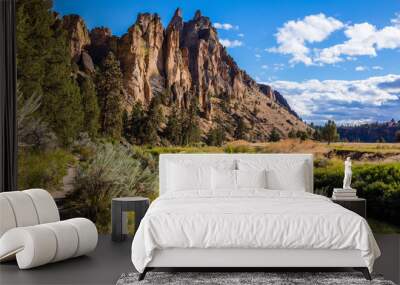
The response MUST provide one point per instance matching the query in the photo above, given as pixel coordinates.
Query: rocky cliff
(183, 61)
(78, 35)
(277, 97)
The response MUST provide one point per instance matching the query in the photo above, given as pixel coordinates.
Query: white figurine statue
(347, 174)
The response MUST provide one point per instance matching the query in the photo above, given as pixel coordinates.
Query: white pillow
(294, 180)
(251, 178)
(224, 179)
(184, 177)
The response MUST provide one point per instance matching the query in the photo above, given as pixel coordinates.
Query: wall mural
(97, 107)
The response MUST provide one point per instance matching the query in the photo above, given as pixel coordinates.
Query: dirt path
(68, 182)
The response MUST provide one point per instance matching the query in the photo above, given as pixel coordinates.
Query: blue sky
(330, 59)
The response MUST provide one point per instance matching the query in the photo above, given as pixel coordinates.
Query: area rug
(243, 278)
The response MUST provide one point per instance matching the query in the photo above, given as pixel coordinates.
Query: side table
(119, 207)
(357, 205)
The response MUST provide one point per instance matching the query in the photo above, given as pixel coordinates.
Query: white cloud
(360, 43)
(230, 43)
(360, 68)
(396, 21)
(264, 66)
(365, 68)
(294, 35)
(241, 35)
(279, 66)
(317, 100)
(257, 55)
(363, 40)
(225, 26)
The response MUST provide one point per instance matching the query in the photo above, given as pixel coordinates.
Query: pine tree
(329, 132)
(317, 134)
(173, 130)
(34, 20)
(216, 136)
(111, 119)
(397, 136)
(241, 129)
(136, 123)
(125, 124)
(191, 132)
(109, 91)
(274, 136)
(153, 121)
(62, 101)
(44, 68)
(302, 135)
(90, 106)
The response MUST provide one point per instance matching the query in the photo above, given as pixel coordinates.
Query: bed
(245, 211)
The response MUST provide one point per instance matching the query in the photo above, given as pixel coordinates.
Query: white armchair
(31, 230)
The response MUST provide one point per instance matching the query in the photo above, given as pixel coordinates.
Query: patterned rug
(243, 278)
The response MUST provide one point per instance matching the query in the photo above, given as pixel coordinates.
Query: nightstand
(357, 205)
(119, 207)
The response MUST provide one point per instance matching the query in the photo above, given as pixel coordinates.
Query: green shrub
(43, 169)
(146, 159)
(84, 147)
(378, 183)
(327, 178)
(113, 172)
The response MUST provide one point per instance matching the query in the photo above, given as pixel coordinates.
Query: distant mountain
(372, 132)
(183, 60)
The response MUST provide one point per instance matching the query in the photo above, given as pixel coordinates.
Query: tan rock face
(183, 61)
(213, 71)
(199, 37)
(268, 91)
(141, 55)
(177, 74)
(78, 35)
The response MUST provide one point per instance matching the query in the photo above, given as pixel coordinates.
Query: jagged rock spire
(178, 13)
(78, 34)
(177, 20)
(197, 15)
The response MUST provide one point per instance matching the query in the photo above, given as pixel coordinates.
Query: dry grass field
(365, 152)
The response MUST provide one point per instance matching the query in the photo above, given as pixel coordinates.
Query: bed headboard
(231, 159)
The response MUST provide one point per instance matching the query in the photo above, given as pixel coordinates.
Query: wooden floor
(110, 260)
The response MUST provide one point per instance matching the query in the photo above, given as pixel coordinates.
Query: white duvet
(250, 219)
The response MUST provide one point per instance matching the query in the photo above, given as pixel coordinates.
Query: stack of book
(343, 194)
